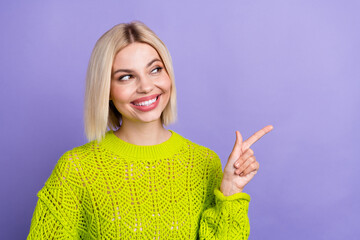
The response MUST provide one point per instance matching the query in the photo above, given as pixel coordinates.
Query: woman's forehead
(135, 54)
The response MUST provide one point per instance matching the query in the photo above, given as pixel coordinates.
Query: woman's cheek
(167, 84)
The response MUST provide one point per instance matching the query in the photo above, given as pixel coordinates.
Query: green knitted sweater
(116, 190)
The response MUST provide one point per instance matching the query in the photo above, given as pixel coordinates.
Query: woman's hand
(241, 166)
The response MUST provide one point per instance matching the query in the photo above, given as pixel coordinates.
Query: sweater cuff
(220, 196)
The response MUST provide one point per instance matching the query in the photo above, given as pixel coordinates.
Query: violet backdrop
(239, 65)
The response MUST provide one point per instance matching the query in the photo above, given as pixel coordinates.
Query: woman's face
(140, 85)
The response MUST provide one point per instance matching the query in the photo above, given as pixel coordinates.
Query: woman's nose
(145, 84)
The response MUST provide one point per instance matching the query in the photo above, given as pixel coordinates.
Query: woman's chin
(149, 118)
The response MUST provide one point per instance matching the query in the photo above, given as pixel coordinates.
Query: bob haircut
(100, 113)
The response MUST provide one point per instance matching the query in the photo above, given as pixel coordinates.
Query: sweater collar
(167, 148)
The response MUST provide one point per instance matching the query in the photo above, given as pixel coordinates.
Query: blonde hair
(99, 112)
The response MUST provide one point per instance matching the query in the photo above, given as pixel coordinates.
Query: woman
(139, 180)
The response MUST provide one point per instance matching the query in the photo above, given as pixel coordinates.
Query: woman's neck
(144, 134)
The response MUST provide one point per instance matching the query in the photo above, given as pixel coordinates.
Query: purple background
(239, 65)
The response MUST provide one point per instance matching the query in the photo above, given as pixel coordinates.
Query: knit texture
(115, 190)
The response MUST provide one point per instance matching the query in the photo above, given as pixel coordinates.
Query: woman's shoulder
(80, 152)
(73, 165)
(198, 148)
(74, 160)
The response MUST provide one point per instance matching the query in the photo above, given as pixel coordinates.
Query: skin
(139, 72)
(134, 78)
(241, 166)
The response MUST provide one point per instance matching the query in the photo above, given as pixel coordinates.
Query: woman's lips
(146, 103)
(144, 99)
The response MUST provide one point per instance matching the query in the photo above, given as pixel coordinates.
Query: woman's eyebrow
(129, 71)
(152, 61)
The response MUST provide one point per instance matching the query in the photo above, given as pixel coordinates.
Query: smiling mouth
(146, 103)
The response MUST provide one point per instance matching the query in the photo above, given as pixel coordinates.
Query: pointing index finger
(256, 136)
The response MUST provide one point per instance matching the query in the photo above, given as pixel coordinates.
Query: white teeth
(146, 103)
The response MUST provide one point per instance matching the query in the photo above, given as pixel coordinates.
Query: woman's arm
(45, 226)
(58, 211)
(226, 217)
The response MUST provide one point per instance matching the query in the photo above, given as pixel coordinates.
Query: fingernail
(241, 174)
(237, 164)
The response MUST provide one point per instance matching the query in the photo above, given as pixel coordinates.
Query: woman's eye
(156, 70)
(125, 77)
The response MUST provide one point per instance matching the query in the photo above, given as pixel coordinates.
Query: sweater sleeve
(45, 226)
(226, 217)
(57, 213)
